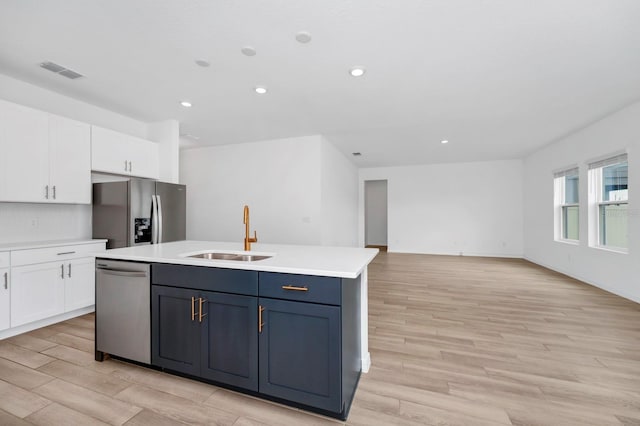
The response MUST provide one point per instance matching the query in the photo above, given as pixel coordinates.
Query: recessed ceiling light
(303, 37)
(357, 71)
(202, 63)
(186, 104)
(260, 90)
(444, 141)
(248, 51)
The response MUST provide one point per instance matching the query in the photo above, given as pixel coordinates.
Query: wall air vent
(58, 69)
(356, 154)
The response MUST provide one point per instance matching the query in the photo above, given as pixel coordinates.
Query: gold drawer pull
(260, 323)
(201, 301)
(193, 308)
(293, 287)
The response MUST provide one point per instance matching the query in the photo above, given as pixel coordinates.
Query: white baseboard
(45, 322)
(586, 281)
(366, 362)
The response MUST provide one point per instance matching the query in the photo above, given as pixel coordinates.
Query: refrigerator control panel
(142, 231)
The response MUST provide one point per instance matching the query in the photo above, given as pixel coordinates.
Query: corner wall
(339, 198)
(456, 208)
(615, 272)
(278, 179)
(300, 191)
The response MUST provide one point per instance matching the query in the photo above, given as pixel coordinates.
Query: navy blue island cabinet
(206, 334)
(290, 338)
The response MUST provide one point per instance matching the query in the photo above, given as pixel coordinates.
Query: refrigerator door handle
(154, 220)
(159, 211)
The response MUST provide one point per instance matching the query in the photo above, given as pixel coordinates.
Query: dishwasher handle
(121, 272)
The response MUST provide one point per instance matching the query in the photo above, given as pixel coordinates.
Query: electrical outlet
(34, 223)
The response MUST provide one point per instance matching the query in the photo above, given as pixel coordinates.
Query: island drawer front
(204, 278)
(304, 288)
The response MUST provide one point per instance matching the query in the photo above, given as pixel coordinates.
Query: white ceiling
(497, 78)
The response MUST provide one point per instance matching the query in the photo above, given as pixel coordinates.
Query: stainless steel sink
(231, 256)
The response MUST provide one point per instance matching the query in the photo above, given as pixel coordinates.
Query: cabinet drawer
(53, 254)
(204, 278)
(305, 288)
(4, 259)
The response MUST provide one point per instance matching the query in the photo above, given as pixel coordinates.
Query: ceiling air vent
(59, 69)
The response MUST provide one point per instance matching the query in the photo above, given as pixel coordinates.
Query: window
(609, 193)
(567, 205)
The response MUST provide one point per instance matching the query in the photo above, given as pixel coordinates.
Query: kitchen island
(287, 323)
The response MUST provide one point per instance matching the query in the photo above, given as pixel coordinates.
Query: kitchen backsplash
(23, 222)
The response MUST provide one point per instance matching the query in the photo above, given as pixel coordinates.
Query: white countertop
(342, 262)
(45, 244)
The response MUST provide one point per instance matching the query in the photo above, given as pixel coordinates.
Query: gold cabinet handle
(193, 308)
(260, 323)
(295, 288)
(201, 301)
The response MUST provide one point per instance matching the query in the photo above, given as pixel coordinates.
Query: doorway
(375, 214)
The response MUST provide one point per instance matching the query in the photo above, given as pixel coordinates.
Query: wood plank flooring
(453, 341)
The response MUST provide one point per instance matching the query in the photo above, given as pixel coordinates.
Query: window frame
(597, 203)
(561, 206)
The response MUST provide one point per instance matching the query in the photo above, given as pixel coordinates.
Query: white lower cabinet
(37, 292)
(79, 284)
(5, 299)
(45, 282)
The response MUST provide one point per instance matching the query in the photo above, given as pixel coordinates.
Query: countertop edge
(247, 266)
(30, 245)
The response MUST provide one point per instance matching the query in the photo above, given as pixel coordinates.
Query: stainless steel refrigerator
(139, 211)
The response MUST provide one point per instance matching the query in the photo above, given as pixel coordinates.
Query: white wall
(53, 222)
(299, 190)
(339, 198)
(375, 212)
(22, 222)
(278, 179)
(17, 91)
(614, 272)
(167, 135)
(457, 208)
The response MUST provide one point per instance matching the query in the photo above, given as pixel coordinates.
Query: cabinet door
(37, 292)
(144, 158)
(300, 353)
(5, 299)
(79, 284)
(69, 160)
(109, 151)
(24, 153)
(229, 347)
(175, 331)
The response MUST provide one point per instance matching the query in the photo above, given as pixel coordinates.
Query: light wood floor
(454, 341)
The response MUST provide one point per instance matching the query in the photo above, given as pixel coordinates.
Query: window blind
(622, 158)
(567, 172)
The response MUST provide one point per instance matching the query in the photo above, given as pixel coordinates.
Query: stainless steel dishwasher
(123, 310)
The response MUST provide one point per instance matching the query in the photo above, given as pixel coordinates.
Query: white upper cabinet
(69, 160)
(43, 158)
(114, 152)
(24, 153)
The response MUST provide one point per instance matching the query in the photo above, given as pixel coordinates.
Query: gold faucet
(247, 239)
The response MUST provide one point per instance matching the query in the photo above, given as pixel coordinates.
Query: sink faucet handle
(255, 237)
